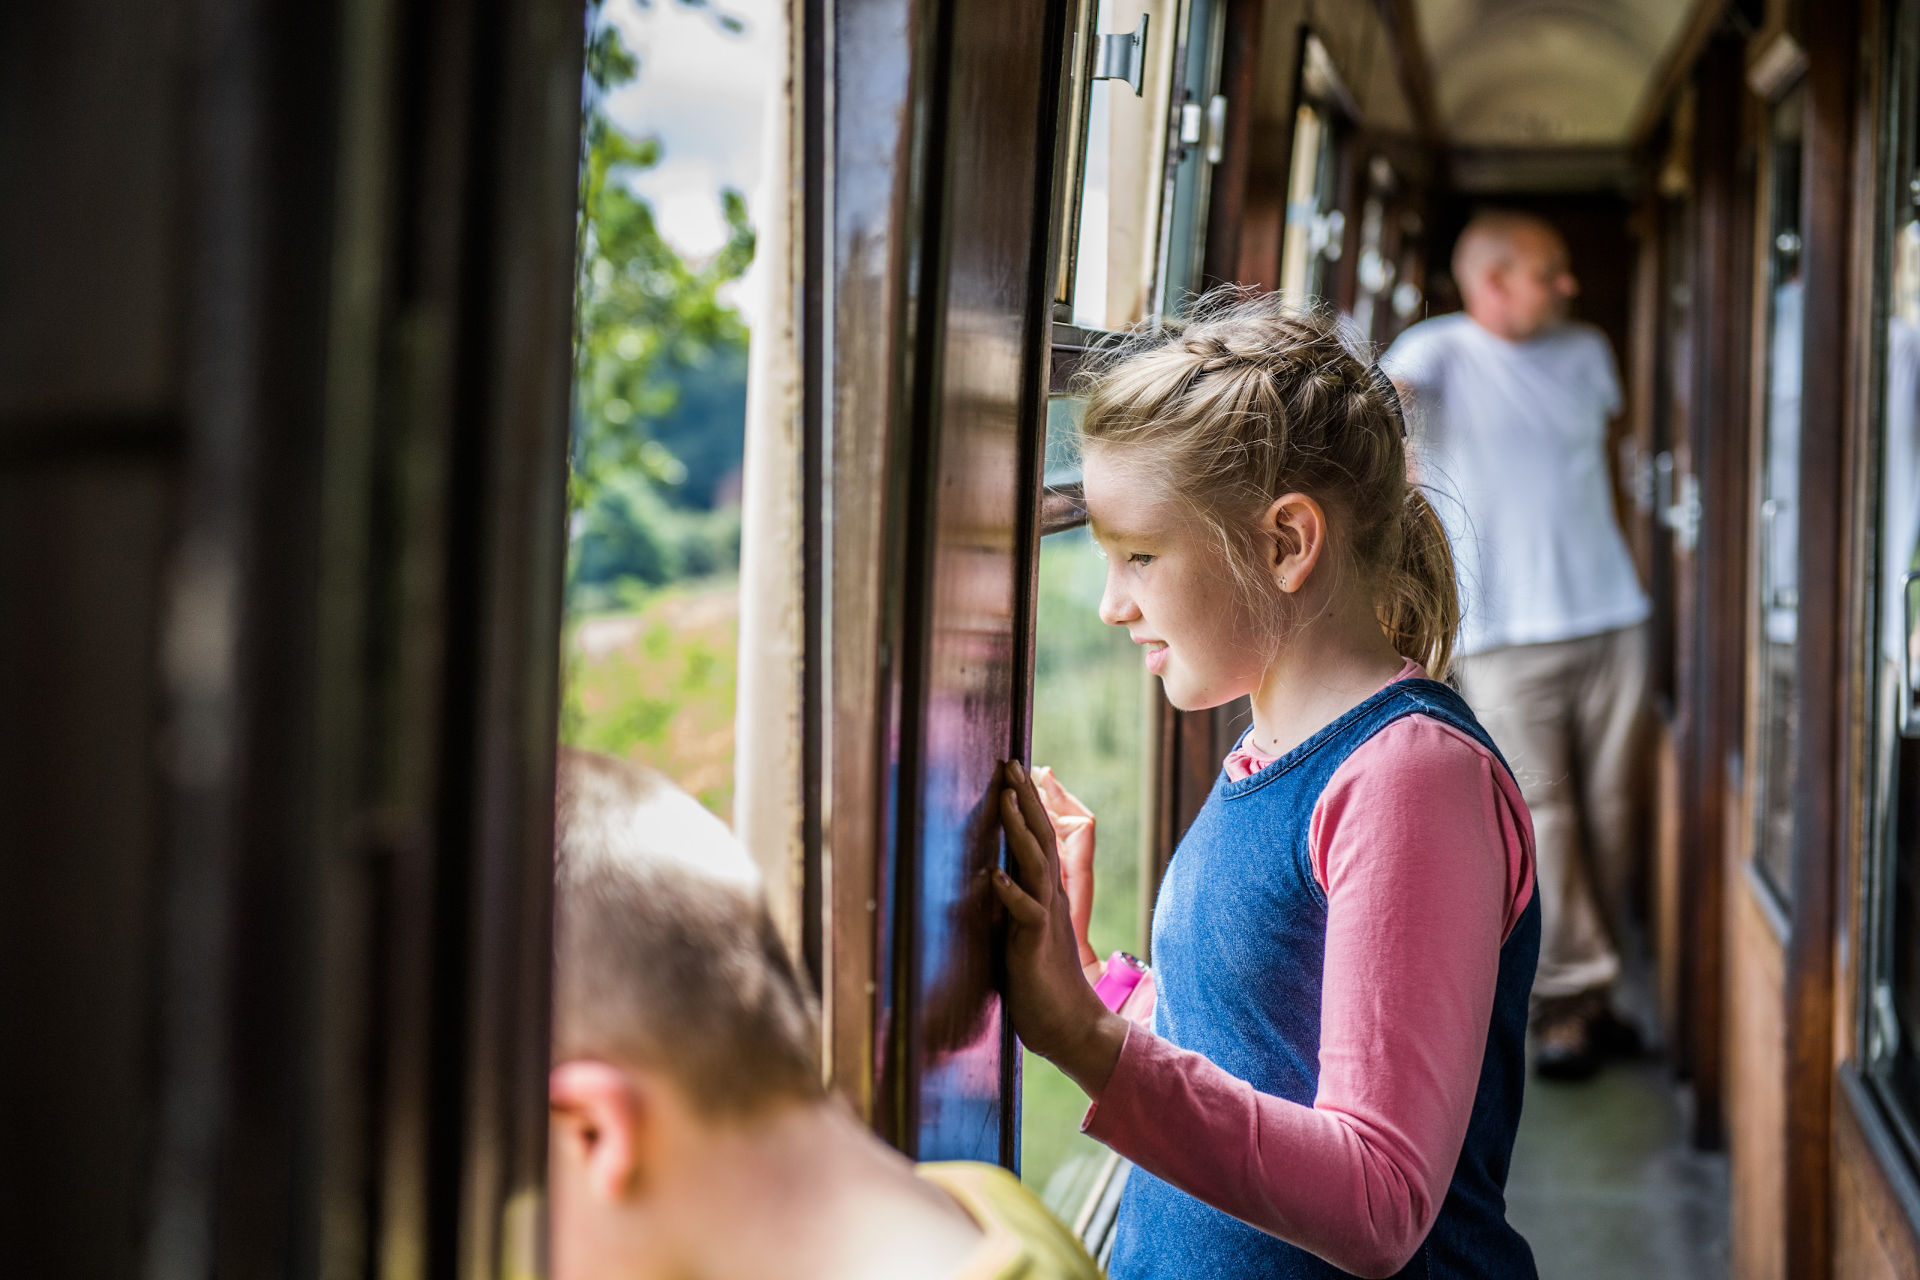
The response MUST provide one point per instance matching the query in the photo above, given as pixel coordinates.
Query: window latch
(1123, 56)
(1207, 125)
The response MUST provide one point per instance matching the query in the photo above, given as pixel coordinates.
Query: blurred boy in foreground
(690, 1134)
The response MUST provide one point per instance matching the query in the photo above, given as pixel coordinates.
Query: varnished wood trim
(1865, 1145)
(1827, 423)
(1416, 69)
(1676, 67)
(1712, 671)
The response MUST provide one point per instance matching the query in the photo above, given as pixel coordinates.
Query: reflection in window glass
(1891, 1043)
(1778, 533)
(1089, 726)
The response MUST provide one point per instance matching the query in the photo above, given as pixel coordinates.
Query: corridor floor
(1605, 1184)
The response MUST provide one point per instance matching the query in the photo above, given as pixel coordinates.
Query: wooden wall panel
(1860, 1250)
(82, 545)
(1668, 909)
(1874, 1233)
(1756, 1070)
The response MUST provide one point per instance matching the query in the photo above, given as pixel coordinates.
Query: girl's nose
(1117, 608)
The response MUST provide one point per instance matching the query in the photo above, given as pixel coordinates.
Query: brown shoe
(1563, 1039)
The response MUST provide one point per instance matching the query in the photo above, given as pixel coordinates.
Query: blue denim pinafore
(1239, 942)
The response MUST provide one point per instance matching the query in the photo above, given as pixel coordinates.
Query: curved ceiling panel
(1534, 73)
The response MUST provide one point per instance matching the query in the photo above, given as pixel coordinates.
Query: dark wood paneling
(93, 160)
(1874, 1191)
(286, 305)
(81, 549)
(1711, 670)
(1827, 400)
(1240, 68)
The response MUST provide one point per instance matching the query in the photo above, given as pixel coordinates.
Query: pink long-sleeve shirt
(1423, 846)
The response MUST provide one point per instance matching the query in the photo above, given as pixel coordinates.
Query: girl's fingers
(1026, 913)
(1031, 808)
(1057, 797)
(1030, 860)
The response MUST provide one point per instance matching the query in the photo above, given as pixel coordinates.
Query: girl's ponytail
(1420, 606)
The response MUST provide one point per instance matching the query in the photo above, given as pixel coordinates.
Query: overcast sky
(703, 93)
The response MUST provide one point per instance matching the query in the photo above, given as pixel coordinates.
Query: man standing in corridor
(1510, 403)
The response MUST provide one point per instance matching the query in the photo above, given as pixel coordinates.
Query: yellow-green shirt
(1023, 1240)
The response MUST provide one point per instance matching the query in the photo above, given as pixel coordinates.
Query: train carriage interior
(357, 454)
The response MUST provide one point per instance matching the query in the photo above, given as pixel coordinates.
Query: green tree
(646, 320)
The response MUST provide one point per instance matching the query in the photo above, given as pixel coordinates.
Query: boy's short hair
(665, 954)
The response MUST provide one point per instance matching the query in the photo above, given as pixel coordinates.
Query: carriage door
(1888, 1048)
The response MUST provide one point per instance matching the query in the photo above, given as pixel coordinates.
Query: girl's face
(1168, 585)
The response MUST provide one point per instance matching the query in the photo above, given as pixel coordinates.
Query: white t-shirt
(1511, 443)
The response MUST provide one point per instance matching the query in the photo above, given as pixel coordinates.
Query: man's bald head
(1513, 273)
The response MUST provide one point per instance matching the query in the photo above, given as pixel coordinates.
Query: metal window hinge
(1123, 56)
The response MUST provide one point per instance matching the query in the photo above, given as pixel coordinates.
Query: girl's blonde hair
(1248, 400)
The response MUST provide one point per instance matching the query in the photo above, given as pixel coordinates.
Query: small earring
(1283, 584)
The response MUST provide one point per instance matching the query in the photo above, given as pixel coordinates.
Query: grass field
(656, 685)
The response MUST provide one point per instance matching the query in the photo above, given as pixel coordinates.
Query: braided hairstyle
(1248, 400)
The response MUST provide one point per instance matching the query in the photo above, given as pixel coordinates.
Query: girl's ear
(1297, 527)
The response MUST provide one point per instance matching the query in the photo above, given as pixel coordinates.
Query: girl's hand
(1073, 835)
(1053, 1007)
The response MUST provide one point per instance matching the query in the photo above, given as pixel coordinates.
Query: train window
(1316, 225)
(1777, 569)
(1091, 703)
(1891, 974)
(1071, 149)
(1374, 272)
(652, 595)
(1117, 217)
(1200, 120)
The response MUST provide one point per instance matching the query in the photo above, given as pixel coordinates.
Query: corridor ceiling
(1545, 73)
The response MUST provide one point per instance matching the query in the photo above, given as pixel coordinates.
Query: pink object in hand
(1122, 975)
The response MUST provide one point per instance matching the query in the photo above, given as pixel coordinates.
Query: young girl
(1345, 939)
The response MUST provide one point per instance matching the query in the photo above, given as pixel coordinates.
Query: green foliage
(1090, 704)
(645, 317)
(631, 538)
(655, 683)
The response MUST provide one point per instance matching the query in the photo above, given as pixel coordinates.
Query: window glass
(1316, 228)
(659, 397)
(1891, 993)
(1074, 131)
(1089, 725)
(1090, 707)
(1778, 530)
(1117, 259)
(1375, 271)
(1201, 120)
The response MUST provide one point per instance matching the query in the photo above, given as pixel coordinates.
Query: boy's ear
(600, 1116)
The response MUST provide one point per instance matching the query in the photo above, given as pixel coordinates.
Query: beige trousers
(1570, 718)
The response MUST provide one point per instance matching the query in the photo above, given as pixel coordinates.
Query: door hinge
(1123, 56)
